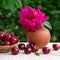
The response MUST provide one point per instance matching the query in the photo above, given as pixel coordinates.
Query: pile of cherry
(26, 48)
(7, 39)
(29, 48)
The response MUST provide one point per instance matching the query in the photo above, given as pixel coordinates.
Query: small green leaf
(19, 3)
(54, 37)
(9, 4)
(47, 24)
(37, 54)
(55, 12)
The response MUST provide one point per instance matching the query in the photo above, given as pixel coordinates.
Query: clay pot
(40, 37)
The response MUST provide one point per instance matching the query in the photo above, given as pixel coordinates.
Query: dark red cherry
(7, 43)
(28, 50)
(56, 46)
(35, 48)
(28, 46)
(15, 50)
(7, 36)
(46, 50)
(12, 33)
(14, 40)
(2, 35)
(31, 45)
(21, 46)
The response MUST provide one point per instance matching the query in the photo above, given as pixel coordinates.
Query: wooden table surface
(53, 55)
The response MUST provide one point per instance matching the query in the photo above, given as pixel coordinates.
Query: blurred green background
(9, 16)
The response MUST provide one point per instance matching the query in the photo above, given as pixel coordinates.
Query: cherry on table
(32, 45)
(46, 50)
(35, 48)
(28, 50)
(56, 46)
(28, 46)
(15, 50)
(21, 46)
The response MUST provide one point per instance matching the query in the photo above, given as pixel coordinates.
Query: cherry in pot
(7, 43)
(2, 35)
(21, 46)
(12, 33)
(56, 46)
(7, 36)
(46, 50)
(14, 40)
(15, 50)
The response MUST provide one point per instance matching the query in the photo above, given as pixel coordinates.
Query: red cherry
(46, 50)
(28, 50)
(7, 36)
(7, 43)
(35, 48)
(28, 46)
(12, 33)
(14, 40)
(32, 45)
(1, 35)
(56, 46)
(21, 46)
(14, 50)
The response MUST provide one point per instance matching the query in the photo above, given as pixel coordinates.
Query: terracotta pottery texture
(40, 37)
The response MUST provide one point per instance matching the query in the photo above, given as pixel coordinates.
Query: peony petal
(29, 22)
(32, 19)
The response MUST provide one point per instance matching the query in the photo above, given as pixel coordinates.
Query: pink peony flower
(32, 19)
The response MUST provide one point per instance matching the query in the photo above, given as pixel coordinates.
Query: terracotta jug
(40, 37)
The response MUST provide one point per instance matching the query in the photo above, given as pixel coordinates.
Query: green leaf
(20, 3)
(48, 25)
(37, 54)
(55, 12)
(54, 37)
(9, 4)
